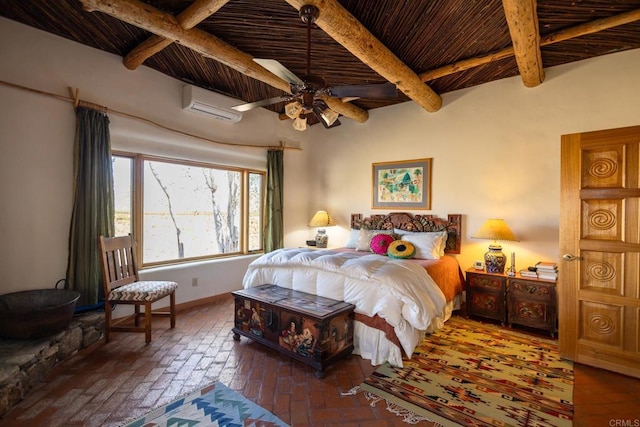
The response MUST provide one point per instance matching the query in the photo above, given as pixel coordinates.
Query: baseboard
(202, 301)
(186, 305)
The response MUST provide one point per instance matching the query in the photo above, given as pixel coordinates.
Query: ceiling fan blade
(279, 70)
(263, 103)
(383, 90)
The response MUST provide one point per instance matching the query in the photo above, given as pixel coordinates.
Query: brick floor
(107, 384)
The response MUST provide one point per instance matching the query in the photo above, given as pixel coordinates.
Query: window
(188, 211)
(256, 197)
(123, 194)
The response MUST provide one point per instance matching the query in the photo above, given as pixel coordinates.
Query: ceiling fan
(307, 93)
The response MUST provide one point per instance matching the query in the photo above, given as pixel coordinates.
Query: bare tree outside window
(171, 214)
(224, 217)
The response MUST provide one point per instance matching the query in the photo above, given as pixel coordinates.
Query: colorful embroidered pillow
(380, 243)
(365, 236)
(401, 249)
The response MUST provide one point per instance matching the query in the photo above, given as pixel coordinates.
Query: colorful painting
(402, 185)
(300, 335)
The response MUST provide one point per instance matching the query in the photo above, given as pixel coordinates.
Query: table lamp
(321, 219)
(495, 229)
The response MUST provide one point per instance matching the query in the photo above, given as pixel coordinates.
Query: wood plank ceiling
(425, 47)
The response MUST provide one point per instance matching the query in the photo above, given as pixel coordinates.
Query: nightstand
(532, 302)
(486, 294)
(513, 300)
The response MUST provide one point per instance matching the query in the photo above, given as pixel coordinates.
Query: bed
(397, 300)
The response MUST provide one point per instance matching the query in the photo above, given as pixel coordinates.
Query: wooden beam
(197, 12)
(522, 18)
(465, 64)
(144, 51)
(165, 25)
(562, 35)
(591, 27)
(355, 113)
(345, 29)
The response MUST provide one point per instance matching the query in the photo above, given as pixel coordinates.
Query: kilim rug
(214, 405)
(475, 374)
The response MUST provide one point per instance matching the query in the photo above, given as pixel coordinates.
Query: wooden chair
(122, 285)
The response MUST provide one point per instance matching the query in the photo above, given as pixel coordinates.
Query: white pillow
(401, 233)
(429, 245)
(352, 243)
(365, 236)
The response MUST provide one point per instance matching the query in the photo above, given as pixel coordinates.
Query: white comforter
(400, 292)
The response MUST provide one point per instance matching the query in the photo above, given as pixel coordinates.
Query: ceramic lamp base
(322, 239)
(495, 260)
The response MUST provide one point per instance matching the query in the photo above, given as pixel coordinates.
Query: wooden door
(598, 289)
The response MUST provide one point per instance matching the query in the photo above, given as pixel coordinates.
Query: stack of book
(529, 273)
(547, 270)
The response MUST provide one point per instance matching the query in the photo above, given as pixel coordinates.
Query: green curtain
(273, 223)
(93, 204)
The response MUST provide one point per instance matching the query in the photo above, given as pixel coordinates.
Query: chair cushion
(143, 291)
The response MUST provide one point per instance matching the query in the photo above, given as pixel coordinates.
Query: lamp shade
(495, 229)
(293, 109)
(321, 219)
(300, 123)
(329, 116)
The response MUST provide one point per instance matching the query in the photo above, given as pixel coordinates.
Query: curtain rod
(75, 100)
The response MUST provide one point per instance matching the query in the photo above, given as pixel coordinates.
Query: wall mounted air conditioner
(210, 103)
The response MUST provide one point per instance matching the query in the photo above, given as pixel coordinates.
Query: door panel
(599, 291)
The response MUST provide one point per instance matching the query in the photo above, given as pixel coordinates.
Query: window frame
(137, 208)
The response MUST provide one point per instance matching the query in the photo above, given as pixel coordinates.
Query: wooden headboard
(416, 223)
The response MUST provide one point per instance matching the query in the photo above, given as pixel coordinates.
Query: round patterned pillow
(380, 243)
(401, 249)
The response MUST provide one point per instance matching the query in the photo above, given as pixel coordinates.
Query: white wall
(495, 147)
(495, 150)
(36, 141)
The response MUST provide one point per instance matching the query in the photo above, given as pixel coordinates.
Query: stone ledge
(24, 363)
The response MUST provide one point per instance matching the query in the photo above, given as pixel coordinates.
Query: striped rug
(475, 374)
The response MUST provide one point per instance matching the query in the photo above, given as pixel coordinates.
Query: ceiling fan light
(300, 123)
(293, 109)
(329, 116)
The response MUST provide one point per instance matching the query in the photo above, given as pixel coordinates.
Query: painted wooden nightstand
(532, 302)
(486, 294)
(512, 300)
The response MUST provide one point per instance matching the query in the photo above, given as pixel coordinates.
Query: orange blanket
(446, 272)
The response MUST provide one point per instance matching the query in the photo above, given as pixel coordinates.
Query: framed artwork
(402, 185)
